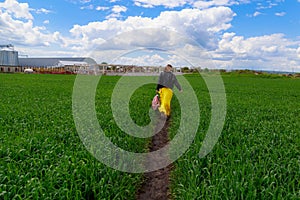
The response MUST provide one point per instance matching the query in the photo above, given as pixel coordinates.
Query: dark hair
(169, 65)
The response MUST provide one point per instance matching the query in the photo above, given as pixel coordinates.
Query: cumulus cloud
(184, 31)
(16, 26)
(153, 59)
(268, 51)
(200, 25)
(298, 50)
(268, 45)
(18, 10)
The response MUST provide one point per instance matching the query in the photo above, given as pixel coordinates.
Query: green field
(258, 153)
(42, 157)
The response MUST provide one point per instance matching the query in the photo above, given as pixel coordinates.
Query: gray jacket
(167, 79)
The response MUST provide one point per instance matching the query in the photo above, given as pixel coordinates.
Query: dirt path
(156, 184)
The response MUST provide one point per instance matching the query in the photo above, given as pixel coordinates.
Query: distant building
(58, 64)
(10, 62)
(8, 59)
(55, 62)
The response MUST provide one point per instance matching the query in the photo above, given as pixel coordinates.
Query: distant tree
(185, 70)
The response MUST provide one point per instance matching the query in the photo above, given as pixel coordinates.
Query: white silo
(8, 56)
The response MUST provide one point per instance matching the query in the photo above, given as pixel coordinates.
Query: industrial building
(8, 59)
(57, 65)
(10, 62)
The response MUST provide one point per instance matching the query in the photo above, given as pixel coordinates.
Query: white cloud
(254, 46)
(43, 10)
(262, 7)
(79, 1)
(268, 4)
(263, 52)
(18, 10)
(101, 8)
(89, 7)
(166, 3)
(201, 25)
(207, 4)
(154, 60)
(298, 50)
(119, 9)
(16, 26)
(280, 14)
(116, 11)
(46, 22)
(201, 4)
(256, 14)
(182, 31)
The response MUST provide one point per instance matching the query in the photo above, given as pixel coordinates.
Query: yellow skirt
(165, 95)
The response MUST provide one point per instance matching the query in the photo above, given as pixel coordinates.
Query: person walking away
(164, 88)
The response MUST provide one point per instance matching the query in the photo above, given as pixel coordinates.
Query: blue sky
(231, 33)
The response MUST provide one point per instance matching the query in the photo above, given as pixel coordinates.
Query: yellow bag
(165, 100)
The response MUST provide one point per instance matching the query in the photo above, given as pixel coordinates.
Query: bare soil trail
(156, 183)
